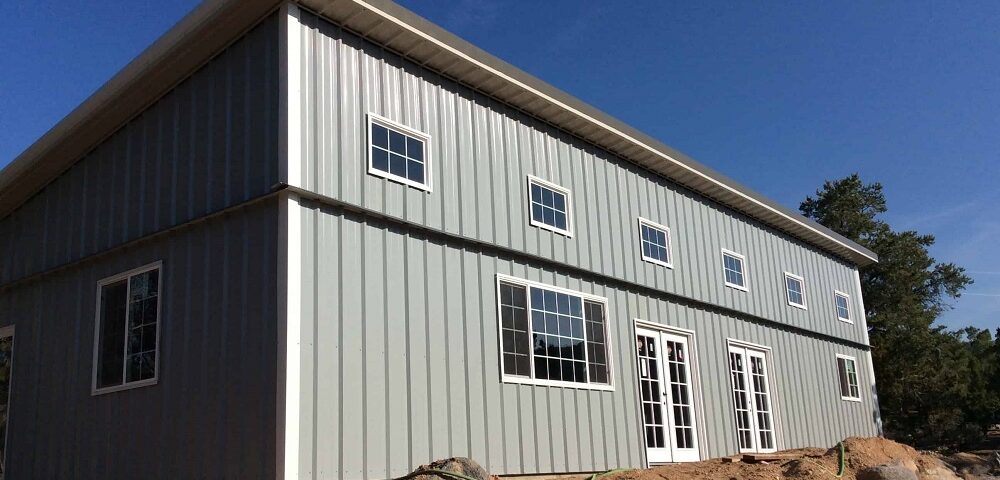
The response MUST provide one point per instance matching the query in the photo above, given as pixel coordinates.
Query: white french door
(666, 396)
(752, 399)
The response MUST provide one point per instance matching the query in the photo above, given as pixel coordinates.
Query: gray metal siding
(482, 151)
(208, 144)
(401, 363)
(211, 415)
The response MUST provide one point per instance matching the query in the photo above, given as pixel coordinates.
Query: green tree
(936, 388)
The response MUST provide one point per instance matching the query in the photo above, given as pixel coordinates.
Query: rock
(886, 472)
(462, 465)
(939, 473)
(969, 463)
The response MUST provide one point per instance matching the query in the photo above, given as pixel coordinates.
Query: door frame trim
(696, 384)
(772, 382)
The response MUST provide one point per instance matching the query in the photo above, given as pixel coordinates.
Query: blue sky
(778, 95)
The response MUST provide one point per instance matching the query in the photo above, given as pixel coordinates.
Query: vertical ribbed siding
(212, 413)
(401, 330)
(208, 144)
(481, 152)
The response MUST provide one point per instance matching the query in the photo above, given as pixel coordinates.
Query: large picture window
(553, 336)
(127, 330)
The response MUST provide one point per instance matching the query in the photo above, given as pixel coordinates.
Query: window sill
(800, 307)
(554, 383)
(545, 226)
(846, 320)
(397, 179)
(737, 287)
(851, 399)
(128, 386)
(658, 262)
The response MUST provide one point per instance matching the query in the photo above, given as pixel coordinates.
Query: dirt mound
(802, 464)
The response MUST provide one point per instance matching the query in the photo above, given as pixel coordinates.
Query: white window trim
(569, 206)
(788, 297)
(515, 379)
(670, 243)
(838, 293)
(743, 263)
(857, 376)
(97, 329)
(374, 118)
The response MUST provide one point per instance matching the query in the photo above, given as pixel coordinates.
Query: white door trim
(765, 352)
(694, 379)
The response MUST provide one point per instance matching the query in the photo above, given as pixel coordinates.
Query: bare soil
(807, 463)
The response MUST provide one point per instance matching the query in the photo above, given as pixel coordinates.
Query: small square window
(398, 153)
(654, 243)
(843, 303)
(795, 288)
(847, 371)
(549, 206)
(733, 270)
(126, 343)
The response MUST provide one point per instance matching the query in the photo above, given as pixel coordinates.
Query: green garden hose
(843, 462)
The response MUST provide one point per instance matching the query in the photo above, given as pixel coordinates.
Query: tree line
(937, 388)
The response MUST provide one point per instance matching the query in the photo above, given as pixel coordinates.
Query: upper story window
(843, 303)
(733, 269)
(398, 153)
(847, 370)
(553, 336)
(126, 343)
(795, 288)
(550, 207)
(654, 239)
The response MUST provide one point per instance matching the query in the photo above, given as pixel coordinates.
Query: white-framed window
(398, 153)
(734, 270)
(795, 290)
(843, 303)
(127, 330)
(549, 206)
(553, 336)
(654, 243)
(847, 371)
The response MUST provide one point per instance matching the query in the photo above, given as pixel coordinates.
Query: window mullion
(531, 330)
(586, 341)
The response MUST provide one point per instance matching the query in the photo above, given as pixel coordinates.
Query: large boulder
(461, 465)
(887, 472)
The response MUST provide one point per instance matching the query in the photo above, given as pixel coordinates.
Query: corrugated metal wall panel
(209, 416)
(208, 144)
(403, 332)
(482, 151)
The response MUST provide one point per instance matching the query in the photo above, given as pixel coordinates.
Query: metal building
(328, 239)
